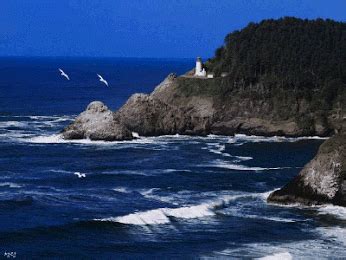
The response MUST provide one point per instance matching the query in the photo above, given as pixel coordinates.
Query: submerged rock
(97, 123)
(322, 180)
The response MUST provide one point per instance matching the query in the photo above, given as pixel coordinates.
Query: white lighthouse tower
(200, 71)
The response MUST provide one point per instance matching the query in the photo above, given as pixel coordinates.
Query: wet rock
(97, 122)
(322, 180)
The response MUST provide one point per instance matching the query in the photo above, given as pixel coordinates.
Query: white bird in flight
(80, 175)
(102, 79)
(64, 74)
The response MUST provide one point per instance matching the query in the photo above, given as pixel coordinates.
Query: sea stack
(322, 180)
(97, 122)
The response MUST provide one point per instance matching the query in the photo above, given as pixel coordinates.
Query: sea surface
(154, 197)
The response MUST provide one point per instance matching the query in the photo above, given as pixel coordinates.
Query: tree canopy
(286, 53)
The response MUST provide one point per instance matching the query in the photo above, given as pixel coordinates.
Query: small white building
(199, 70)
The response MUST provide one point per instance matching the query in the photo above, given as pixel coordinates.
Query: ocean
(154, 197)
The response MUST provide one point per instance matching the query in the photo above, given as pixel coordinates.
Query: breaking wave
(238, 167)
(205, 209)
(163, 215)
(240, 139)
(10, 185)
(277, 256)
(336, 211)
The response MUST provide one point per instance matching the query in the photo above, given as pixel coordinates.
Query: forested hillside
(288, 53)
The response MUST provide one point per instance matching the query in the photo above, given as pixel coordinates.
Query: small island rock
(322, 180)
(97, 123)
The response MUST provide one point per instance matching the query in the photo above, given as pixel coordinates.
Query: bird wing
(100, 76)
(61, 70)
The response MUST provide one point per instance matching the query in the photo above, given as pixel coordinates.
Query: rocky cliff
(323, 179)
(97, 123)
(175, 107)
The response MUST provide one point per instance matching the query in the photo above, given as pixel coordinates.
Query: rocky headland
(294, 86)
(172, 108)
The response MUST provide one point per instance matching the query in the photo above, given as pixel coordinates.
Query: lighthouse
(199, 70)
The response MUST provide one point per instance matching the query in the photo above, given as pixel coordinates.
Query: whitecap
(240, 139)
(337, 234)
(336, 211)
(277, 256)
(58, 139)
(175, 170)
(231, 166)
(10, 185)
(122, 190)
(243, 158)
(19, 124)
(148, 192)
(162, 215)
(216, 148)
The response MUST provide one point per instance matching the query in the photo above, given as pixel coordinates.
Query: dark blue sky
(141, 28)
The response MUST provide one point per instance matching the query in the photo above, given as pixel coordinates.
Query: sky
(139, 28)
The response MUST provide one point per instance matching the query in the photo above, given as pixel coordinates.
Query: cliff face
(174, 107)
(323, 179)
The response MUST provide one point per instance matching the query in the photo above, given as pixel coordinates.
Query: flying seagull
(102, 79)
(64, 74)
(80, 175)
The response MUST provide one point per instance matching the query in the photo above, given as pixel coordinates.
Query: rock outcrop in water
(97, 123)
(323, 179)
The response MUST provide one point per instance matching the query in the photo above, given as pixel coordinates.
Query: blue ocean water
(169, 196)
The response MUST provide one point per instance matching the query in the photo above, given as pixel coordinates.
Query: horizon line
(95, 57)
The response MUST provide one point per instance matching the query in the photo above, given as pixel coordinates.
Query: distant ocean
(170, 196)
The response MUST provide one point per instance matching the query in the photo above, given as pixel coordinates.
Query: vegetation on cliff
(289, 53)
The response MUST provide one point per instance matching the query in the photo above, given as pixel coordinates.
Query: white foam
(337, 211)
(244, 158)
(13, 124)
(175, 170)
(328, 243)
(337, 234)
(151, 217)
(240, 139)
(10, 185)
(162, 215)
(217, 148)
(278, 256)
(122, 190)
(148, 192)
(58, 139)
(239, 167)
(59, 171)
